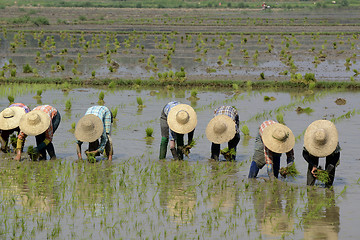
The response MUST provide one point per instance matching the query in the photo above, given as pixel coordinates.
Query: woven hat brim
(13, 122)
(332, 138)
(34, 130)
(182, 128)
(89, 136)
(275, 145)
(225, 136)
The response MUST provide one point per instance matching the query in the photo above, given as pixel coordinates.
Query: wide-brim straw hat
(10, 117)
(89, 128)
(321, 138)
(220, 129)
(182, 119)
(278, 138)
(34, 123)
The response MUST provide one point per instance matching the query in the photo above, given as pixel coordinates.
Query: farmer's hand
(18, 155)
(313, 171)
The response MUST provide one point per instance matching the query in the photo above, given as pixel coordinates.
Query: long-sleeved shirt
(26, 109)
(51, 111)
(167, 109)
(267, 153)
(228, 111)
(105, 115)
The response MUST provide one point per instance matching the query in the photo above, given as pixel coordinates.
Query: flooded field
(137, 196)
(236, 45)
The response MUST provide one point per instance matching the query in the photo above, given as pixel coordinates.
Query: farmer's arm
(190, 137)
(78, 149)
(290, 157)
(312, 160)
(19, 145)
(269, 162)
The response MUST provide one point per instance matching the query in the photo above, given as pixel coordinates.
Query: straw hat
(34, 122)
(220, 129)
(182, 119)
(10, 117)
(321, 138)
(278, 138)
(89, 128)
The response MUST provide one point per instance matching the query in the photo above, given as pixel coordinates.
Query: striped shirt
(267, 153)
(105, 115)
(26, 109)
(229, 111)
(51, 111)
(167, 109)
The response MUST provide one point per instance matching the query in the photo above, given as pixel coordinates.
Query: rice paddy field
(138, 196)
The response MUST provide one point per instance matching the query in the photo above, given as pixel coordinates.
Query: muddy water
(138, 196)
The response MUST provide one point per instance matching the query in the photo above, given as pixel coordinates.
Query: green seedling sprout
(13, 140)
(114, 112)
(140, 103)
(245, 130)
(91, 157)
(32, 154)
(68, 105)
(186, 149)
(11, 99)
(101, 98)
(149, 132)
(38, 94)
(322, 175)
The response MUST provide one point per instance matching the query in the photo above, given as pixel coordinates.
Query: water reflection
(274, 208)
(321, 219)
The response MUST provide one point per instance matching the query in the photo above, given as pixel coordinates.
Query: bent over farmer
(224, 127)
(321, 140)
(9, 122)
(42, 123)
(95, 124)
(175, 121)
(272, 140)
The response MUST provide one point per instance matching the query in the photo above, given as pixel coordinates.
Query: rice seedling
(73, 125)
(38, 94)
(267, 98)
(13, 72)
(280, 118)
(245, 130)
(101, 98)
(229, 154)
(11, 99)
(186, 148)
(13, 140)
(289, 171)
(27, 68)
(149, 132)
(112, 84)
(32, 153)
(68, 105)
(114, 112)
(322, 175)
(90, 157)
(140, 103)
(262, 76)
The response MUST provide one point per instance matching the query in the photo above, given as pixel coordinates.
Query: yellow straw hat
(89, 128)
(321, 138)
(182, 119)
(220, 129)
(10, 117)
(34, 123)
(278, 138)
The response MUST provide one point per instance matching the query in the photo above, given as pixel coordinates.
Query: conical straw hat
(220, 129)
(10, 117)
(34, 123)
(89, 128)
(321, 138)
(182, 119)
(278, 138)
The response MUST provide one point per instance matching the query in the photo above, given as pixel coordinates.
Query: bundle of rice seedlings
(32, 154)
(186, 149)
(228, 153)
(13, 140)
(322, 175)
(289, 171)
(91, 157)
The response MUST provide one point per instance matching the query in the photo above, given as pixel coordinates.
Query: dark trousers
(215, 148)
(50, 147)
(314, 161)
